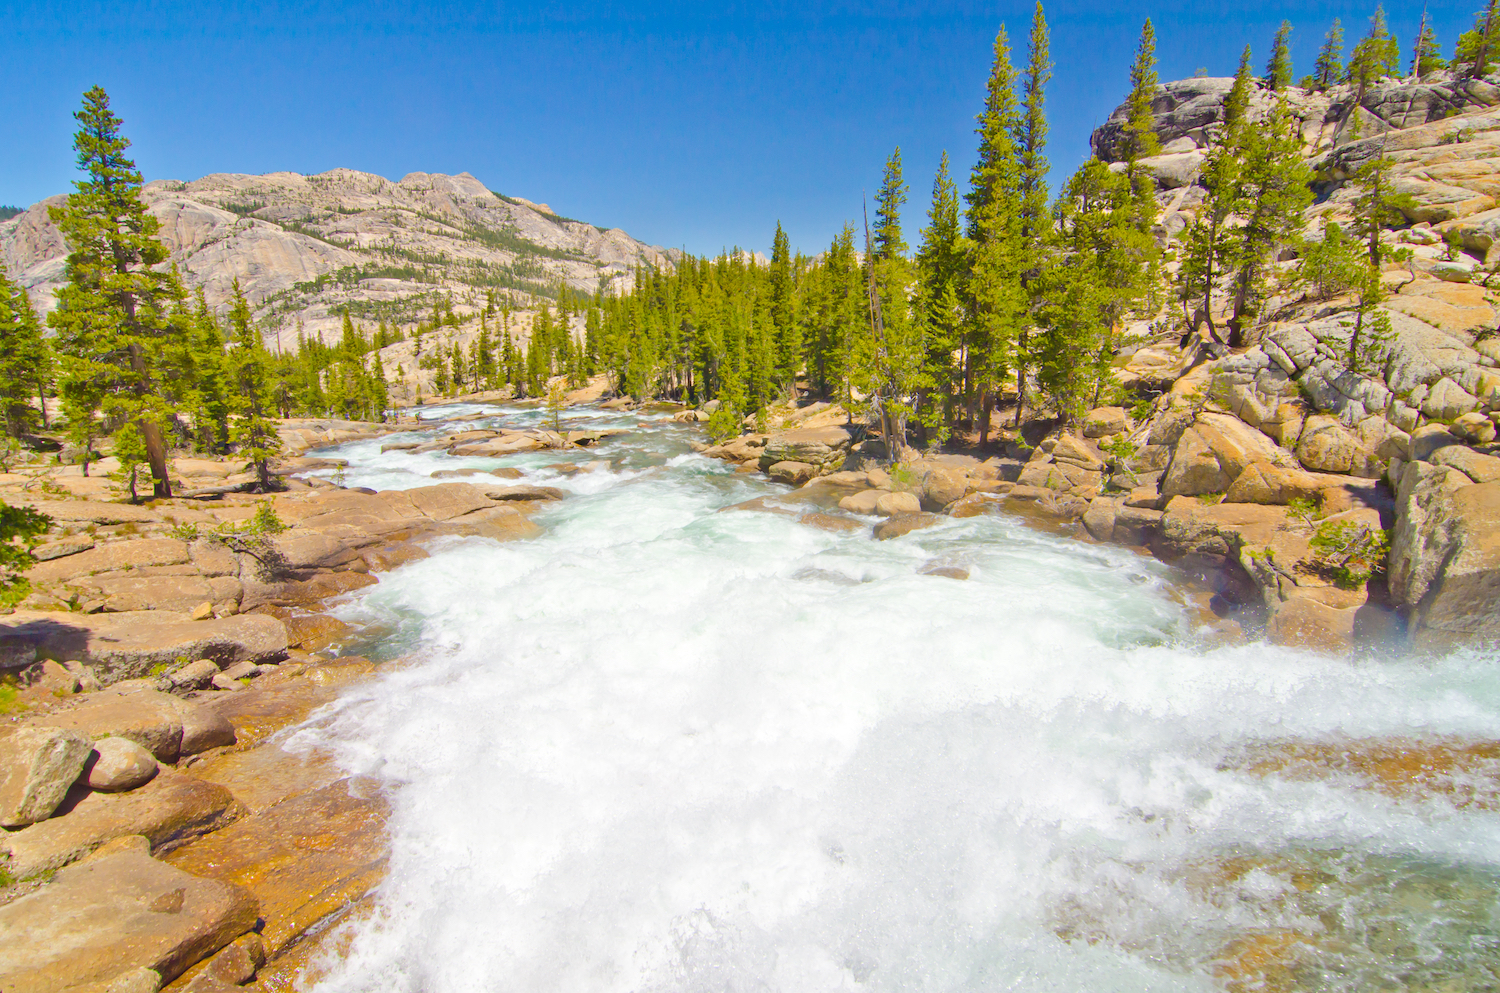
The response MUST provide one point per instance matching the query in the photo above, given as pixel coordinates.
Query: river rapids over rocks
(667, 748)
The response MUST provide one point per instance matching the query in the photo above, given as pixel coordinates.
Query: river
(664, 747)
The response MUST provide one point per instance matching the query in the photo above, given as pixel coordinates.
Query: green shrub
(1302, 511)
(1350, 551)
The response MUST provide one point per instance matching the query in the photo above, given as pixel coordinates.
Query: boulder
(861, 503)
(901, 524)
(1328, 446)
(1427, 440)
(1474, 428)
(1099, 519)
(106, 917)
(311, 632)
(169, 810)
(1447, 401)
(204, 728)
(149, 718)
(37, 767)
(940, 487)
(1136, 525)
(117, 765)
(303, 858)
(1104, 421)
(891, 504)
(1444, 564)
(821, 447)
(1478, 467)
(194, 675)
(793, 473)
(130, 645)
(1264, 483)
(1194, 469)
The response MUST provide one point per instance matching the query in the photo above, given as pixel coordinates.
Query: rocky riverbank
(156, 833)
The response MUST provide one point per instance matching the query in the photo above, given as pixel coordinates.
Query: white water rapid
(666, 748)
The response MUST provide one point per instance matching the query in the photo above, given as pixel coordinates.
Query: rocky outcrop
(302, 247)
(114, 917)
(37, 767)
(1445, 554)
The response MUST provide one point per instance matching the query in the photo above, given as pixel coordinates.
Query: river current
(663, 747)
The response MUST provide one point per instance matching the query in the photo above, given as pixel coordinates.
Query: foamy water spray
(665, 748)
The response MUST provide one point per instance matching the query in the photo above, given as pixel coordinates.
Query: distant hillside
(304, 248)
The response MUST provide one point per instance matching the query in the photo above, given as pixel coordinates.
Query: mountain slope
(306, 247)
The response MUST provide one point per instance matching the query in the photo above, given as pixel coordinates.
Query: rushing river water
(663, 747)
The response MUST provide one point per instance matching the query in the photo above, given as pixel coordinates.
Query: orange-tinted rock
(304, 858)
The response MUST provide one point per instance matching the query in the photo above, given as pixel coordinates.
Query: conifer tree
(1279, 68)
(254, 433)
(1378, 204)
(889, 201)
(210, 378)
(1207, 238)
(1377, 55)
(25, 361)
(787, 334)
(1035, 227)
(1140, 139)
(1273, 193)
(997, 299)
(112, 316)
(1329, 68)
(1474, 53)
(1426, 56)
(941, 260)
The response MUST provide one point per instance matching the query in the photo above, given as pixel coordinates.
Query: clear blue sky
(687, 124)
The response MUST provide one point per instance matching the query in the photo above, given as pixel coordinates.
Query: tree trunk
(156, 450)
(984, 419)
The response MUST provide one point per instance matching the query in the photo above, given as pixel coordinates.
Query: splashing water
(667, 748)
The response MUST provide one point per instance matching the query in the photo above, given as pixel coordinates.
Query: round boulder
(117, 765)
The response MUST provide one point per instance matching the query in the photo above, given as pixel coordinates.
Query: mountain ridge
(306, 248)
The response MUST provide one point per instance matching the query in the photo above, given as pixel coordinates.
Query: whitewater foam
(664, 747)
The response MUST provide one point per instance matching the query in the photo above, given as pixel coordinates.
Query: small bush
(1303, 512)
(1351, 552)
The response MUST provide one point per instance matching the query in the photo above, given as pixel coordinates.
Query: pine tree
(889, 201)
(1279, 68)
(1207, 239)
(940, 272)
(1378, 205)
(1140, 140)
(1035, 229)
(996, 296)
(25, 361)
(1329, 68)
(112, 317)
(1273, 193)
(210, 379)
(1426, 56)
(254, 433)
(1377, 55)
(783, 313)
(1474, 54)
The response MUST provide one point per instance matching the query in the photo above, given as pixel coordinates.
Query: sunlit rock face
(304, 247)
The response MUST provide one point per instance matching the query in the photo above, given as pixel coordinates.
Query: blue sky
(687, 124)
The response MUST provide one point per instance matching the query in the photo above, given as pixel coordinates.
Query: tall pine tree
(112, 318)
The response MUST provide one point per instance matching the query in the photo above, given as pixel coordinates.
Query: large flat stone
(128, 645)
(114, 914)
(304, 858)
(151, 719)
(169, 810)
(112, 557)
